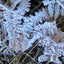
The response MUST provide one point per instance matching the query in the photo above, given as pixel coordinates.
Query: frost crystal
(54, 7)
(23, 31)
(51, 51)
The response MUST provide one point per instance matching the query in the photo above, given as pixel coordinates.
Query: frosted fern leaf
(17, 5)
(54, 7)
(21, 35)
(52, 51)
(11, 22)
(39, 17)
(18, 34)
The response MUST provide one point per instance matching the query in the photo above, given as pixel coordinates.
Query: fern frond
(54, 7)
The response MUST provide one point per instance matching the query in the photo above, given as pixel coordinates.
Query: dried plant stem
(59, 23)
(9, 2)
(33, 48)
(37, 53)
(36, 7)
(48, 62)
(29, 52)
(4, 59)
(25, 54)
(14, 59)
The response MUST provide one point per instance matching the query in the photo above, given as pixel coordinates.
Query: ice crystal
(23, 31)
(52, 51)
(54, 7)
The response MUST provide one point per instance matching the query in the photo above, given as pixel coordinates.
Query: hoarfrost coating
(23, 31)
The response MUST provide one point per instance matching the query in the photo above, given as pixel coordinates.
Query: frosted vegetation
(22, 31)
